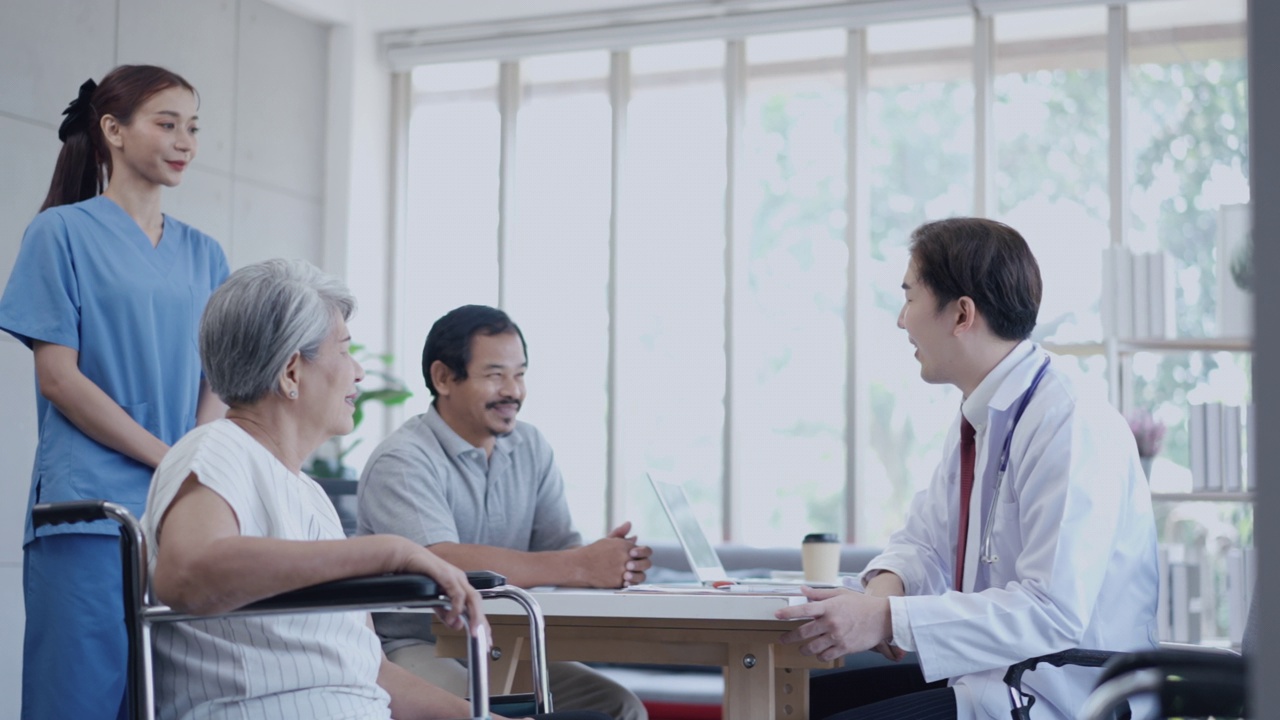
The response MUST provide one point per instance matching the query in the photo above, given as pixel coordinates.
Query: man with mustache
(483, 492)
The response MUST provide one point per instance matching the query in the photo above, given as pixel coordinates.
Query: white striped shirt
(319, 666)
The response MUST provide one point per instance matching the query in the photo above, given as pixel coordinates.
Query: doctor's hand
(841, 622)
(887, 584)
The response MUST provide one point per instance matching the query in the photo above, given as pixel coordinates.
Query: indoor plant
(1148, 433)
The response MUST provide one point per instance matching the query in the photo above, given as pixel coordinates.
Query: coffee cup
(820, 556)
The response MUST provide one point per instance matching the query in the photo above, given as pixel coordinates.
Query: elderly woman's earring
(293, 393)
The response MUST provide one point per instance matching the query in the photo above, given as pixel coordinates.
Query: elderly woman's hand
(462, 597)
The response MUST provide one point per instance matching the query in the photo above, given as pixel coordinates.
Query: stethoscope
(989, 555)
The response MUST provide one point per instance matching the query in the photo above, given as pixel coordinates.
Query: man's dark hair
(450, 339)
(986, 261)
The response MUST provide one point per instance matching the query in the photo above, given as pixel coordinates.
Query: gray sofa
(742, 560)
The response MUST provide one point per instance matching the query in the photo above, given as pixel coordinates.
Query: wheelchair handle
(76, 511)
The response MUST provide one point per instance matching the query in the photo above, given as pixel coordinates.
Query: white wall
(257, 184)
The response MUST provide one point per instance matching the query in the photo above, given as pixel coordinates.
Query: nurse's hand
(841, 622)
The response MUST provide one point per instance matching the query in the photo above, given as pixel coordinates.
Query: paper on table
(739, 588)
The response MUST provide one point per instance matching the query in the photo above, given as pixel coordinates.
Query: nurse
(107, 291)
(1036, 534)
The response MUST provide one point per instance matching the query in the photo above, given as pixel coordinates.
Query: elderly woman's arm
(204, 566)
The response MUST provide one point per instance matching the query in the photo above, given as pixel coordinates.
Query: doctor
(1055, 552)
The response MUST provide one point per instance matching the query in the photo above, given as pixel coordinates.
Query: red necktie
(967, 457)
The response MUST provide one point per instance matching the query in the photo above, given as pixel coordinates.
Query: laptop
(702, 557)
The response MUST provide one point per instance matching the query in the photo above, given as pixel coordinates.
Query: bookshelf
(1206, 496)
(1184, 344)
(1194, 377)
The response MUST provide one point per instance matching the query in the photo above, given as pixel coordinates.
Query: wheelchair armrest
(63, 513)
(1083, 658)
(485, 579)
(1179, 661)
(1188, 683)
(377, 590)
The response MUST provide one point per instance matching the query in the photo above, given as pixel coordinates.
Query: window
(681, 263)
(1051, 157)
(1189, 139)
(454, 145)
(558, 265)
(920, 167)
(790, 330)
(671, 282)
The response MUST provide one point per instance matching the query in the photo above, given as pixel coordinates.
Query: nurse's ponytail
(84, 163)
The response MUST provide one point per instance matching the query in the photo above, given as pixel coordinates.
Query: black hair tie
(79, 112)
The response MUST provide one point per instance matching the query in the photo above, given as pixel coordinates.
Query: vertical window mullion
(984, 100)
(619, 97)
(735, 73)
(857, 237)
(508, 109)
(1119, 391)
(402, 101)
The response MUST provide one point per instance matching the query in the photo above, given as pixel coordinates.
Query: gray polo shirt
(426, 483)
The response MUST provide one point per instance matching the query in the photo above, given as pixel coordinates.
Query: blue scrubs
(88, 278)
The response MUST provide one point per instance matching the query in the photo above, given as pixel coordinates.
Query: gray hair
(259, 318)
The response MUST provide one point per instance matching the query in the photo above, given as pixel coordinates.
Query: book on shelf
(1197, 418)
(1250, 447)
(1235, 304)
(1241, 575)
(1213, 450)
(1117, 264)
(1161, 285)
(1139, 301)
(1141, 296)
(1232, 471)
(1184, 595)
(1164, 617)
(1217, 438)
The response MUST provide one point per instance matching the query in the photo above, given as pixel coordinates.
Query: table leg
(791, 692)
(502, 670)
(750, 690)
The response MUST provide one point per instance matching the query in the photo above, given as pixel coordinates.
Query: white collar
(984, 396)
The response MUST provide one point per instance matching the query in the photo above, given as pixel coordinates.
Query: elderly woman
(233, 520)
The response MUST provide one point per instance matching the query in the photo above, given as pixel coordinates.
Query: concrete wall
(257, 185)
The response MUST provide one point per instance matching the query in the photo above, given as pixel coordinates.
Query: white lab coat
(1075, 537)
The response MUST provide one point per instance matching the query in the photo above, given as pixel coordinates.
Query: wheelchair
(387, 592)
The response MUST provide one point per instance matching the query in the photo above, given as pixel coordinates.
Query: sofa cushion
(738, 557)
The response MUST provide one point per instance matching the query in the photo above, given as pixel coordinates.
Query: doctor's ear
(966, 313)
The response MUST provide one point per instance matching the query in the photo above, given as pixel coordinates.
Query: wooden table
(763, 679)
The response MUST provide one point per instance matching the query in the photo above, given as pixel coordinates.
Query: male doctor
(1069, 557)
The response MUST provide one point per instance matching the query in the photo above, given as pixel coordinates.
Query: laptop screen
(702, 557)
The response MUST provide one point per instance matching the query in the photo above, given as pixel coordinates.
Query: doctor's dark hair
(259, 318)
(986, 261)
(84, 163)
(450, 339)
